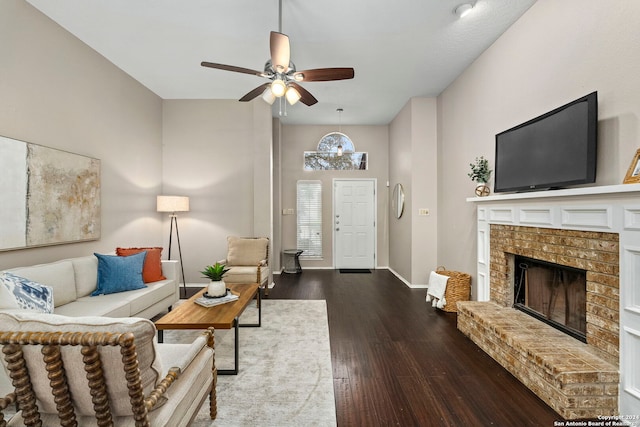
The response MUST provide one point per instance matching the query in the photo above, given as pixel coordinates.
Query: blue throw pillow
(28, 295)
(119, 273)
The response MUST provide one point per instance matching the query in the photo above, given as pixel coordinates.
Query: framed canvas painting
(49, 196)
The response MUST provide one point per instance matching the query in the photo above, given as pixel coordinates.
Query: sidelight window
(309, 215)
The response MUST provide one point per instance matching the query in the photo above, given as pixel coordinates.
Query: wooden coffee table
(190, 315)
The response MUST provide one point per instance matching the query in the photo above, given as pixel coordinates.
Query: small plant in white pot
(215, 273)
(480, 173)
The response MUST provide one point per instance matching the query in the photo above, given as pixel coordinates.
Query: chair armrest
(4, 404)
(7, 400)
(223, 261)
(204, 340)
(187, 357)
(161, 389)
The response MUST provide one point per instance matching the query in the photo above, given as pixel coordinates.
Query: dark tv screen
(554, 150)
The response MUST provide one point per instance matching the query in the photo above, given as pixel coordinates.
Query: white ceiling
(398, 49)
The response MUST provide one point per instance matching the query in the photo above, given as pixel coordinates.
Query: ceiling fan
(282, 72)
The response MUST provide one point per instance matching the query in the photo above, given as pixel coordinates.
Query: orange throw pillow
(152, 268)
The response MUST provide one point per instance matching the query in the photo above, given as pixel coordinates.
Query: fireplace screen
(553, 293)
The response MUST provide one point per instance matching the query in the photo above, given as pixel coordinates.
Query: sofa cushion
(59, 275)
(7, 299)
(246, 274)
(152, 293)
(246, 251)
(86, 271)
(148, 363)
(119, 273)
(152, 268)
(112, 305)
(29, 295)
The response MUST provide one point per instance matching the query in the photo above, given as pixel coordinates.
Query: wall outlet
(423, 212)
(288, 211)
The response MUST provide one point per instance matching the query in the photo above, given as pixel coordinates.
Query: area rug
(285, 376)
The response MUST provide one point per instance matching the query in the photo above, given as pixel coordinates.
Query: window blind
(309, 215)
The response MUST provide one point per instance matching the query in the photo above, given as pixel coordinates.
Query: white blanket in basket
(436, 290)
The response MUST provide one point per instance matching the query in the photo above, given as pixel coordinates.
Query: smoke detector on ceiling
(463, 10)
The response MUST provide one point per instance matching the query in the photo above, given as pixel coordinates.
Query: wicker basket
(458, 288)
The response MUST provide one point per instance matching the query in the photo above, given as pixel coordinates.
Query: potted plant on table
(215, 273)
(480, 173)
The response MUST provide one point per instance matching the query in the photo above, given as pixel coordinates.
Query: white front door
(354, 223)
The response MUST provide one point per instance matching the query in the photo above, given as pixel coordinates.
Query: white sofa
(74, 279)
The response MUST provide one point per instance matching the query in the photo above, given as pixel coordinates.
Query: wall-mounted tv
(554, 150)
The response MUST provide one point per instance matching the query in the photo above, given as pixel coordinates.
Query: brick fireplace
(593, 229)
(594, 252)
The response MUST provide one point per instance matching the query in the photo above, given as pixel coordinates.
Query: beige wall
(556, 52)
(276, 244)
(400, 164)
(217, 152)
(424, 194)
(413, 163)
(57, 92)
(295, 140)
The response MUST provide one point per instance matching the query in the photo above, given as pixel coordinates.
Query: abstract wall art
(47, 196)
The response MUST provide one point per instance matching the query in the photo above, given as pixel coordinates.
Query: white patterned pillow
(29, 295)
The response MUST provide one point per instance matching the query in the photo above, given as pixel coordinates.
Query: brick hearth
(562, 371)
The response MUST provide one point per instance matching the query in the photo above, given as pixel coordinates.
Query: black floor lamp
(174, 204)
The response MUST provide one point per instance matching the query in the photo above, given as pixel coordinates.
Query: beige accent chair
(100, 371)
(248, 261)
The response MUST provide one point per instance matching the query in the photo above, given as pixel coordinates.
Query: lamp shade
(268, 96)
(172, 204)
(292, 95)
(278, 88)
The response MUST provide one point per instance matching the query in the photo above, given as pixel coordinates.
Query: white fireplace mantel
(603, 190)
(612, 209)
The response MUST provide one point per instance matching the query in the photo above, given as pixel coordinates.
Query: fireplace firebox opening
(555, 294)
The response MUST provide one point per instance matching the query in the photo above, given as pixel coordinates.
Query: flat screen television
(554, 150)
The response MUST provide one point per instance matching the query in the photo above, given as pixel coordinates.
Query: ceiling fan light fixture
(268, 96)
(463, 9)
(292, 95)
(278, 88)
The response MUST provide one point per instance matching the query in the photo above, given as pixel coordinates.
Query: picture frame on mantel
(633, 173)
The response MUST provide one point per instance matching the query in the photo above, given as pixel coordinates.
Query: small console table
(291, 261)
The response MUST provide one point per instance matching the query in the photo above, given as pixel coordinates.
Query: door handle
(337, 229)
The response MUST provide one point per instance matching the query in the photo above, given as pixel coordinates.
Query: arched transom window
(335, 142)
(335, 151)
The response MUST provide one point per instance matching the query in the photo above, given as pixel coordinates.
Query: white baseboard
(395, 273)
(406, 282)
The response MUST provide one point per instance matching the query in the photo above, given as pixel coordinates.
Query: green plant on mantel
(480, 171)
(215, 272)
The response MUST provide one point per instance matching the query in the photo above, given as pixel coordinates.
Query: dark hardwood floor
(399, 362)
